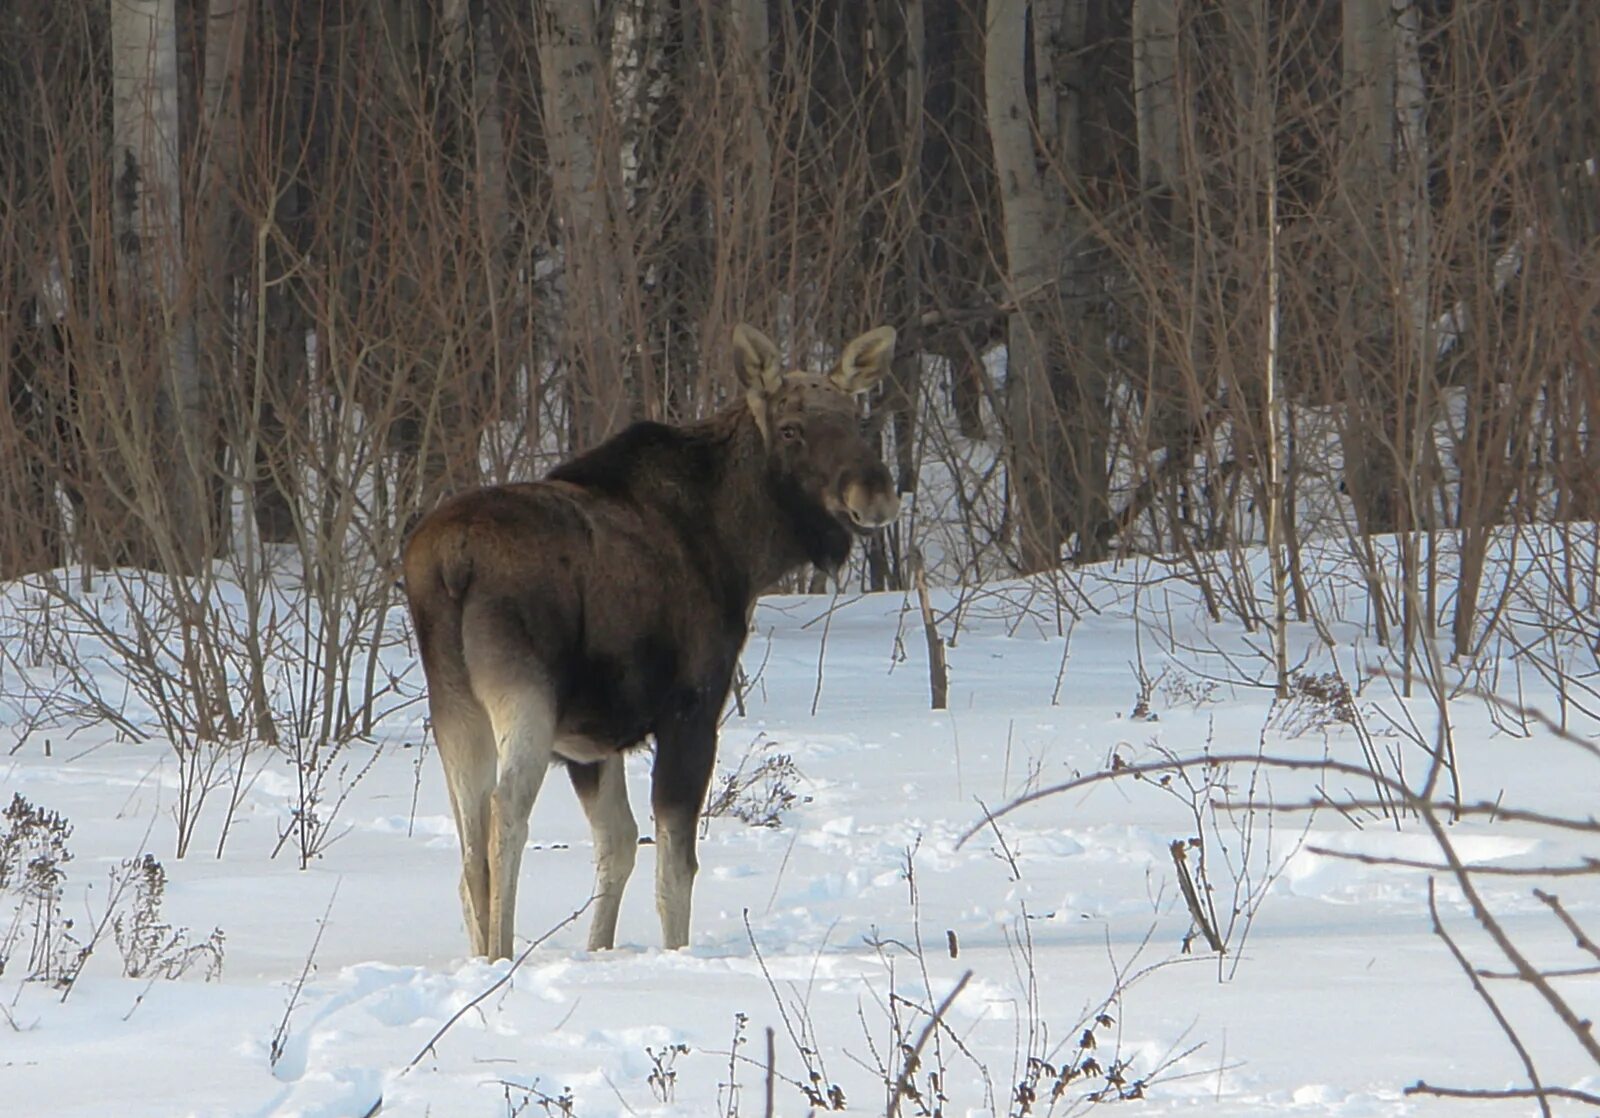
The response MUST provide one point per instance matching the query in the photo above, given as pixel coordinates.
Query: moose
(567, 620)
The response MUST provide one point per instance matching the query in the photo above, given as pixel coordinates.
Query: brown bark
(217, 252)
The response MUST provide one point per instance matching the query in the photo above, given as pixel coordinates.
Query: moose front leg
(685, 754)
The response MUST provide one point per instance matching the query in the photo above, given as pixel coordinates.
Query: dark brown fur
(574, 617)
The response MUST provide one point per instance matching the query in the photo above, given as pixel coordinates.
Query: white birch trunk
(455, 28)
(1155, 93)
(227, 23)
(149, 218)
(494, 207)
(1368, 63)
(1277, 558)
(1032, 259)
(145, 116)
(635, 88)
(1410, 108)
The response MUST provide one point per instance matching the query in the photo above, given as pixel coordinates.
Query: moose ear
(756, 359)
(865, 360)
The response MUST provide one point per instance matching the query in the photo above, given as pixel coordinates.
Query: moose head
(817, 445)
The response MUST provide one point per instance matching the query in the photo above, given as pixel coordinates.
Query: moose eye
(789, 431)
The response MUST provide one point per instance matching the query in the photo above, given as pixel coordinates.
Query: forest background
(1169, 276)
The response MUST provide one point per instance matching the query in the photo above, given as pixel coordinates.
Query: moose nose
(883, 512)
(872, 501)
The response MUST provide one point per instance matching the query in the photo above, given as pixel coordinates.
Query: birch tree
(1157, 109)
(1056, 411)
(164, 458)
(1031, 225)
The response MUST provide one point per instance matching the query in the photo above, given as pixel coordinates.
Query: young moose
(567, 619)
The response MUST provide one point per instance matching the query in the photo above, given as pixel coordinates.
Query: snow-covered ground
(841, 928)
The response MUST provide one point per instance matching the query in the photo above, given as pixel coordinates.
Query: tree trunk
(530, 212)
(491, 162)
(165, 459)
(661, 57)
(1176, 382)
(215, 307)
(1030, 231)
(31, 541)
(1056, 411)
(586, 181)
(751, 34)
(891, 243)
(1157, 109)
(958, 209)
(1371, 403)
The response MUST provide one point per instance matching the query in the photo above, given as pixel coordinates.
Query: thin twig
(1553, 972)
(1590, 824)
(1016, 873)
(477, 1001)
(1191, 898)
(772, 1074)
(1580, 936)
(1555, 728)
(281, 1036)
(1580, 1029)
(120, 886)
(1488, 1000)
(1542, 1094)
(916, 1049)
(1427, 812)
(822, 647)
(1588, 866)
(938, 670)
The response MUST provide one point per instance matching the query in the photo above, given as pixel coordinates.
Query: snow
(834, 928)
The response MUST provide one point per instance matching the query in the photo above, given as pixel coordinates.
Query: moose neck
(766, 523)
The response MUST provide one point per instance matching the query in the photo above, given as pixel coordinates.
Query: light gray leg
(603, 791)
(524, 732)
(466, 751)
(676, 865)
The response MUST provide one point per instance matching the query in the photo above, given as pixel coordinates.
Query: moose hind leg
(685, 753)
(524, 733)
(507, 680)
(603, 791)
(466, 750)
